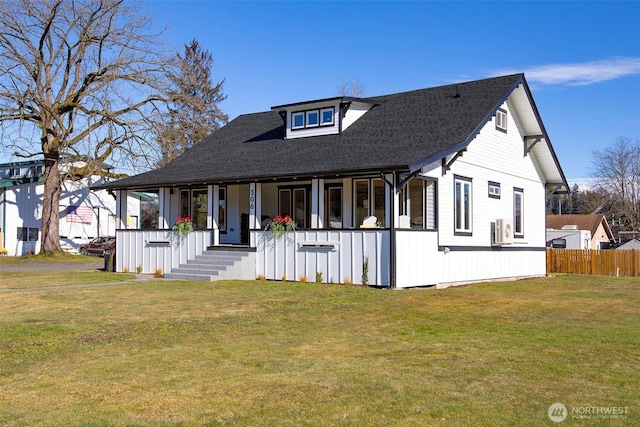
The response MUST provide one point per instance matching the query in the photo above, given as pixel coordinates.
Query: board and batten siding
(154, 250)
(338, 254)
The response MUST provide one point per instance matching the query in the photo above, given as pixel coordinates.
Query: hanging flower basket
(183, 226)
(281, 225)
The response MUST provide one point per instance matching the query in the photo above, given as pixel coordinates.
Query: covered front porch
(329, 213)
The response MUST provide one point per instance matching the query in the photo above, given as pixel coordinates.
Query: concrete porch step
(185, 276)
(217, 264)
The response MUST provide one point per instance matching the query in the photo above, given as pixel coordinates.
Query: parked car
(100, 246)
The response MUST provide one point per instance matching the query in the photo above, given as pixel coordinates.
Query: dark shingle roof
(399, 133)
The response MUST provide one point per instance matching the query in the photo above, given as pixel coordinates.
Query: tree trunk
(51, 205)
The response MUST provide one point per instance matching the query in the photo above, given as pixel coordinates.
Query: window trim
(518, 234)
(327, 201)
(371, 201)
(293, 120)
(494, 195)
(405, 197)
(307, 198)
(221, 208)
(308, 123)
(332, 110)
(190, 208)
(468, 230)
(26, 234)
(501, 120)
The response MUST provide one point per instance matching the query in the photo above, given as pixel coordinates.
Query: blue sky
(581, 59)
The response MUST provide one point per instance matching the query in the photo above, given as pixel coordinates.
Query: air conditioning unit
(504, 231)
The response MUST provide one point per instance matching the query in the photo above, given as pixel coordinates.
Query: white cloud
(581, 74)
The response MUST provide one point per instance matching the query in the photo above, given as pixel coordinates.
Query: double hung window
(463, 205)
(518, 212)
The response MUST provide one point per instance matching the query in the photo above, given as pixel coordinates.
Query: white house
(456, 177)
(83, 214)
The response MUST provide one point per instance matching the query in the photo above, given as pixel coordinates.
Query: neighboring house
(579, 231)
(83, 214)
(455, 178)
(630, 244)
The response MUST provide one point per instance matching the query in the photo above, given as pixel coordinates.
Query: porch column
(395, 200)
(213, 194)
(121, 209)
(255, 206)
(391, 213)
(317, 203)
(164, 202)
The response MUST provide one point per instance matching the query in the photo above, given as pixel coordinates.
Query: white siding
(420, 263)
(294, 255)
(22, 207)
(355, 111)
(492, 156)
(154, 250)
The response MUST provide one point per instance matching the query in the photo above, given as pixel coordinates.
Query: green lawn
(273, 353)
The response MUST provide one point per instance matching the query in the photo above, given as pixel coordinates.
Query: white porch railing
(338, 254)
(154, 250)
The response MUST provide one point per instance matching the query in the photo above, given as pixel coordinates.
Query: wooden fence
(595, 262)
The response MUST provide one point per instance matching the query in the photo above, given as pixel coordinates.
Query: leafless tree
(352, 88)
(617, 170)
(79, 80)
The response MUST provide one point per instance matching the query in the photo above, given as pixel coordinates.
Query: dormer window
(313, 118)
(297, 120)
(326, 117)
(329, 116)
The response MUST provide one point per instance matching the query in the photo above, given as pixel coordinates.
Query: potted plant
(281, 225)
(183, 226)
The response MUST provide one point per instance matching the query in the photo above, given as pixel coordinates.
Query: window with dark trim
(333, 206)
(463, 206)
(494, 190)
(294, 201)
(28, 234)
(501, 120)
(297, 120)
(518, 212)
(222, 209)
(194, 204)
(369, 197)
(418, 201)
(312, 118)
(326, 116)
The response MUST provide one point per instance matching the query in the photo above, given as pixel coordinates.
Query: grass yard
(273, 353)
